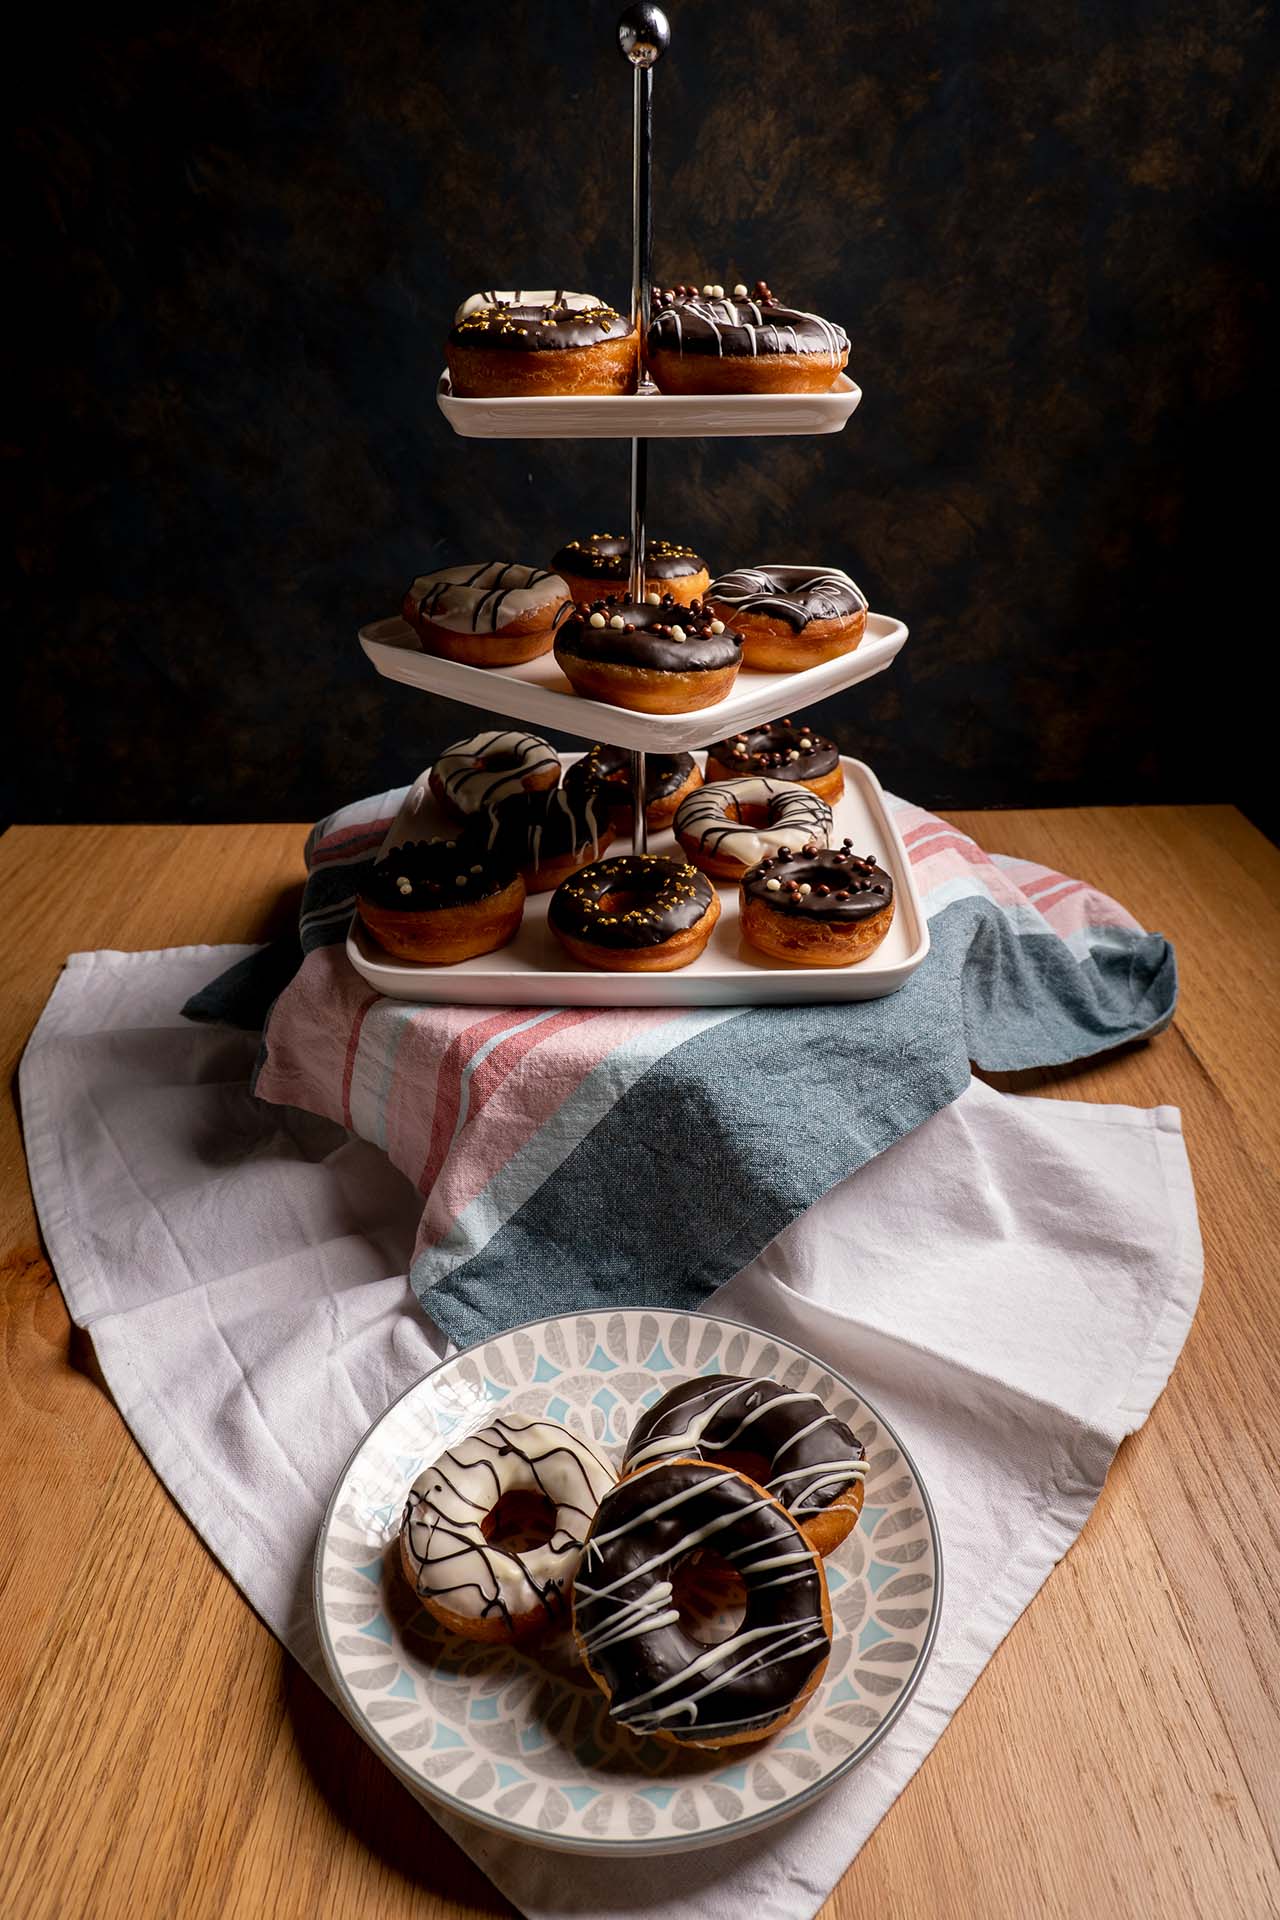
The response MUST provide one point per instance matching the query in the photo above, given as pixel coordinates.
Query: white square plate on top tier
(535, 970)
(522, 1743)
(539, 694)
(649, 415)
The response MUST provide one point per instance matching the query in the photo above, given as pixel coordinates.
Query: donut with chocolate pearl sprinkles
(784, 749)
(669, 778)
(818, 907)
(440, 901)
(654, 656)
(635, 913)
(728, 825)
(658, 1677)
(469, 1534)
(788, 1441)
(591, 567)
(544, 342)
(791, 617)
(499, 614)
(702, 340)
(489, 769)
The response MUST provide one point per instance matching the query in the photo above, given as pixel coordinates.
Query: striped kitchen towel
(577, 1158)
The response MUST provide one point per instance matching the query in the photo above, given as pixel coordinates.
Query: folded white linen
(1011, 1283)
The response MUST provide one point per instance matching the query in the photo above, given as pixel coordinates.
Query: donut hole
(623, 901)
(710, 1596)
(752, 1466)
(520, 1520)
(498, 763)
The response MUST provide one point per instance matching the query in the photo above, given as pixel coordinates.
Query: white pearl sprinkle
(806, 888)
(794, 754)
(653, 599)
(773, 886)
(677, 633)
(717, 626)
(597, 619)
(718, 292)
(405, 886)
(617, 621)
(708, 290)
(806, 742)
(740, 291)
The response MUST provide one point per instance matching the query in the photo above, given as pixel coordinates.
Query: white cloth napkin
(1011, 1283)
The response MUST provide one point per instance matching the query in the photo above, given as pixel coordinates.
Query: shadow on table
(369, 1802)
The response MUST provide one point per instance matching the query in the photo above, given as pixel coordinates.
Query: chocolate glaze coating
(610, 768)
(529, 329)
(769, 750)
(728, 327)
(646, 640)
(842, 886)
(816, 1457)
(660, 1679)
(671, 897)
(607, 556)
(441, 873)
(797, 595)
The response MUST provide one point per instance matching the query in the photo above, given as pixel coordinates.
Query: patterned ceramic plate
(522, 1743)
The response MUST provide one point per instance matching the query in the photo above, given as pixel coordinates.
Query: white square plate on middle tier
(539, 694)
(535, 970)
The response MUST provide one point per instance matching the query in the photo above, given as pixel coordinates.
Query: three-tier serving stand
(534, 970)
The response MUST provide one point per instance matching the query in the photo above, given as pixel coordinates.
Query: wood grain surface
(1120, 1755)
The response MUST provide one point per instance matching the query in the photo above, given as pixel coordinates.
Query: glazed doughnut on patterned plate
(517, 341)
(495, 615)
(791, 617)
(780, 750)
(746, 342)
(590, 567)
(655, 657)
(441, 901)
(787, 1441)
(493, 1530)
(485, 771)
(668, 778)
(636, 913)
(819, 907)
(687, 1525)
(728, 826)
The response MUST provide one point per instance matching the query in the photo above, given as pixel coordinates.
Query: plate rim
(428, 1792)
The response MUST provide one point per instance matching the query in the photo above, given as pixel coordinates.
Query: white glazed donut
(522, 297)
(490, 768)
(730, 825)
(461, 1572)
(487, 598)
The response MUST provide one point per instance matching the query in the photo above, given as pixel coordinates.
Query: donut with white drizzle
(791, 617)
(497, 614)
(704, 341)
(489, 769)
(515, 1477)
(658, 1677)
(789, 1441)
(728, 826)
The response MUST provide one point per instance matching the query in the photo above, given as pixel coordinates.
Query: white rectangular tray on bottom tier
(539, 693)
(649, 415)
(535, 971)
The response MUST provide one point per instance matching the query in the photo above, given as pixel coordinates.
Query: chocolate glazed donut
(636, 913)
(821, 906)
(780, 750)
(663, 658)
(789, 1442)
(590, 566)
(606, 772)
(659, 1679)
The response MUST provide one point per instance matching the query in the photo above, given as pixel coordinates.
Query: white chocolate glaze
(448, 1504)
(709, 816)
(467, 772)
(486, 598)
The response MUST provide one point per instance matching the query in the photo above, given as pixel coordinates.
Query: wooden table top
(1119, 1756)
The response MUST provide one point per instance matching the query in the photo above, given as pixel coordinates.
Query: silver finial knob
(644, 34)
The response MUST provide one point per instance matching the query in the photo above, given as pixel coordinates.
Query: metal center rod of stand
(643, 35)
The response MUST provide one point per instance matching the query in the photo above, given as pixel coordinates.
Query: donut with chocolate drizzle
(653, 656)
(493, 1529)
(819, 907)
(784, 749)
(658, 1677)
(788, 1441)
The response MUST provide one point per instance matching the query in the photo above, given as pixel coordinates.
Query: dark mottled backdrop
(243, 229)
